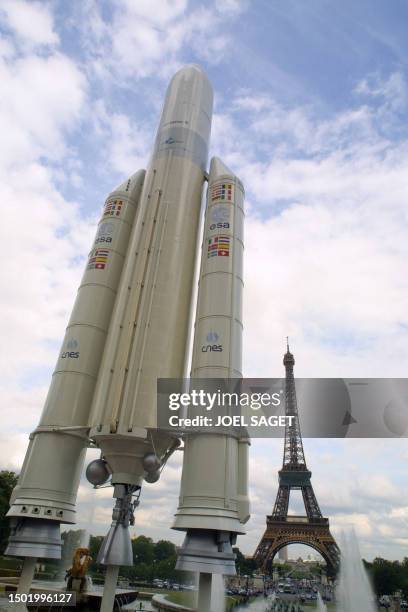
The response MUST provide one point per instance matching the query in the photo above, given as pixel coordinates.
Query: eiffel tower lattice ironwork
(283, 529)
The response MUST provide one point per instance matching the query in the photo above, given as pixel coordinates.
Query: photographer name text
(253, 420)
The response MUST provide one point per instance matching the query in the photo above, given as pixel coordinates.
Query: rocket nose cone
(191, 71)
(185, 122)
(218, 168)
(192, 82)
(130, 183)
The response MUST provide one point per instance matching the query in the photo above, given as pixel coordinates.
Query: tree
(95, 542)
(163, 549)
(245, 567)
(389, 576)
(143, 550)
(8, 481)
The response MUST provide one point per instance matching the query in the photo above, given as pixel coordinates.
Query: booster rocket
(214, 503)
(130, 326)
(46, 492)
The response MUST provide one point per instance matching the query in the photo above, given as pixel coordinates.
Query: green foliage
(283, 568)
(94, 546)
(154, 560)
(298, 574)
(245, 567)
(95, 543)
(151, 560)
(143, 550)
(164, 549)
(8, 481)
(388, 576)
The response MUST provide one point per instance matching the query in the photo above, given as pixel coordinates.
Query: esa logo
(103, 239)
(224, 225)
(212, 338)
(104, 233)
(71, 353)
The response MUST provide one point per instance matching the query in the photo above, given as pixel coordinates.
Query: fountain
(321, 606)
(354, 590)
(72, 540)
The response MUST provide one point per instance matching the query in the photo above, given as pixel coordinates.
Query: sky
(311, 109)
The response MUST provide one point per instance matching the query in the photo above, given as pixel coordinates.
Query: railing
(298, 519)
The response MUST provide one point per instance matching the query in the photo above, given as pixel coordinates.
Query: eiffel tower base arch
(297, 530)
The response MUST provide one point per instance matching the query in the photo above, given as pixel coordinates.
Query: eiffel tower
(283, 529)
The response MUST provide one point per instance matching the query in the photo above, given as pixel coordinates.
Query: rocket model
(213, 504)
(130, 326)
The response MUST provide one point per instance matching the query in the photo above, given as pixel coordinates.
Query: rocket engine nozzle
(31, 537)
(116, 547)
(208, 552)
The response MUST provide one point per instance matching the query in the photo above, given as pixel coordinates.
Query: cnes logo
(71, 353)
(212, 338)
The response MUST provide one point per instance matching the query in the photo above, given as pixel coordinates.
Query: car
(385, 601)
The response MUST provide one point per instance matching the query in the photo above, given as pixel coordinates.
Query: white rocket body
(213, 504)
(148, 335)
(150, 324)
(46, 492)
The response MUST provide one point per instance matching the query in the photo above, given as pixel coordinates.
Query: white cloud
(393, 91)
(13, 449)
(42, 99)
(231, 7)
(32, 22)
(164, 11)
(141, 42)
(247, 102)
(129, 142)
(325, 235)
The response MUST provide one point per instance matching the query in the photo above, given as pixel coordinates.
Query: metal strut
(116, 549)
